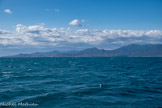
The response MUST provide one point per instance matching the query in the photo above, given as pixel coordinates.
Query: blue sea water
(81, 82)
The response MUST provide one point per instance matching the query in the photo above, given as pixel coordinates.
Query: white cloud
(8, 11)
(38, 36)
(4, 32)
(75, 22)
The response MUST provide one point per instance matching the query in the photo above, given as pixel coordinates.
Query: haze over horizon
(28, 26)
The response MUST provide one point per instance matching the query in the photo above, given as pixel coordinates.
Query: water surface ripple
(82, 82)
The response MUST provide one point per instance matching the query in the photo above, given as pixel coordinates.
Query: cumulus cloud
(75, 22)
(40, 36)
(8, 11)
(29, 29)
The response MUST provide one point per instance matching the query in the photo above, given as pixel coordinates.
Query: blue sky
(101, 14)
(44, 25)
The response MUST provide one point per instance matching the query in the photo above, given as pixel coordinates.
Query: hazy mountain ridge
(132, 50)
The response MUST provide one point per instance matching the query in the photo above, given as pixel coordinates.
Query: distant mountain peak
(132, 50)
(93, 48)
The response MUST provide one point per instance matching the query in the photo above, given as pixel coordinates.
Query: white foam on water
(6, 72)
(100, 85)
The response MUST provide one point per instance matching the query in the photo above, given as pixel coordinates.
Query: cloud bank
(39, 36)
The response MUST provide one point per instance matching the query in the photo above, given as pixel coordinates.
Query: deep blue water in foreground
(82, 82)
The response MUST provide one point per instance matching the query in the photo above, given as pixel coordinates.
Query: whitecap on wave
(6, 72)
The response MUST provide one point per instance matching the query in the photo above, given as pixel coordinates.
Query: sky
(45, 25)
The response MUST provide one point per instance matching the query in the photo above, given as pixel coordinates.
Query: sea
(81, 82)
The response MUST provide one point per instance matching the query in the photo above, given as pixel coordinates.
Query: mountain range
(132, 50)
